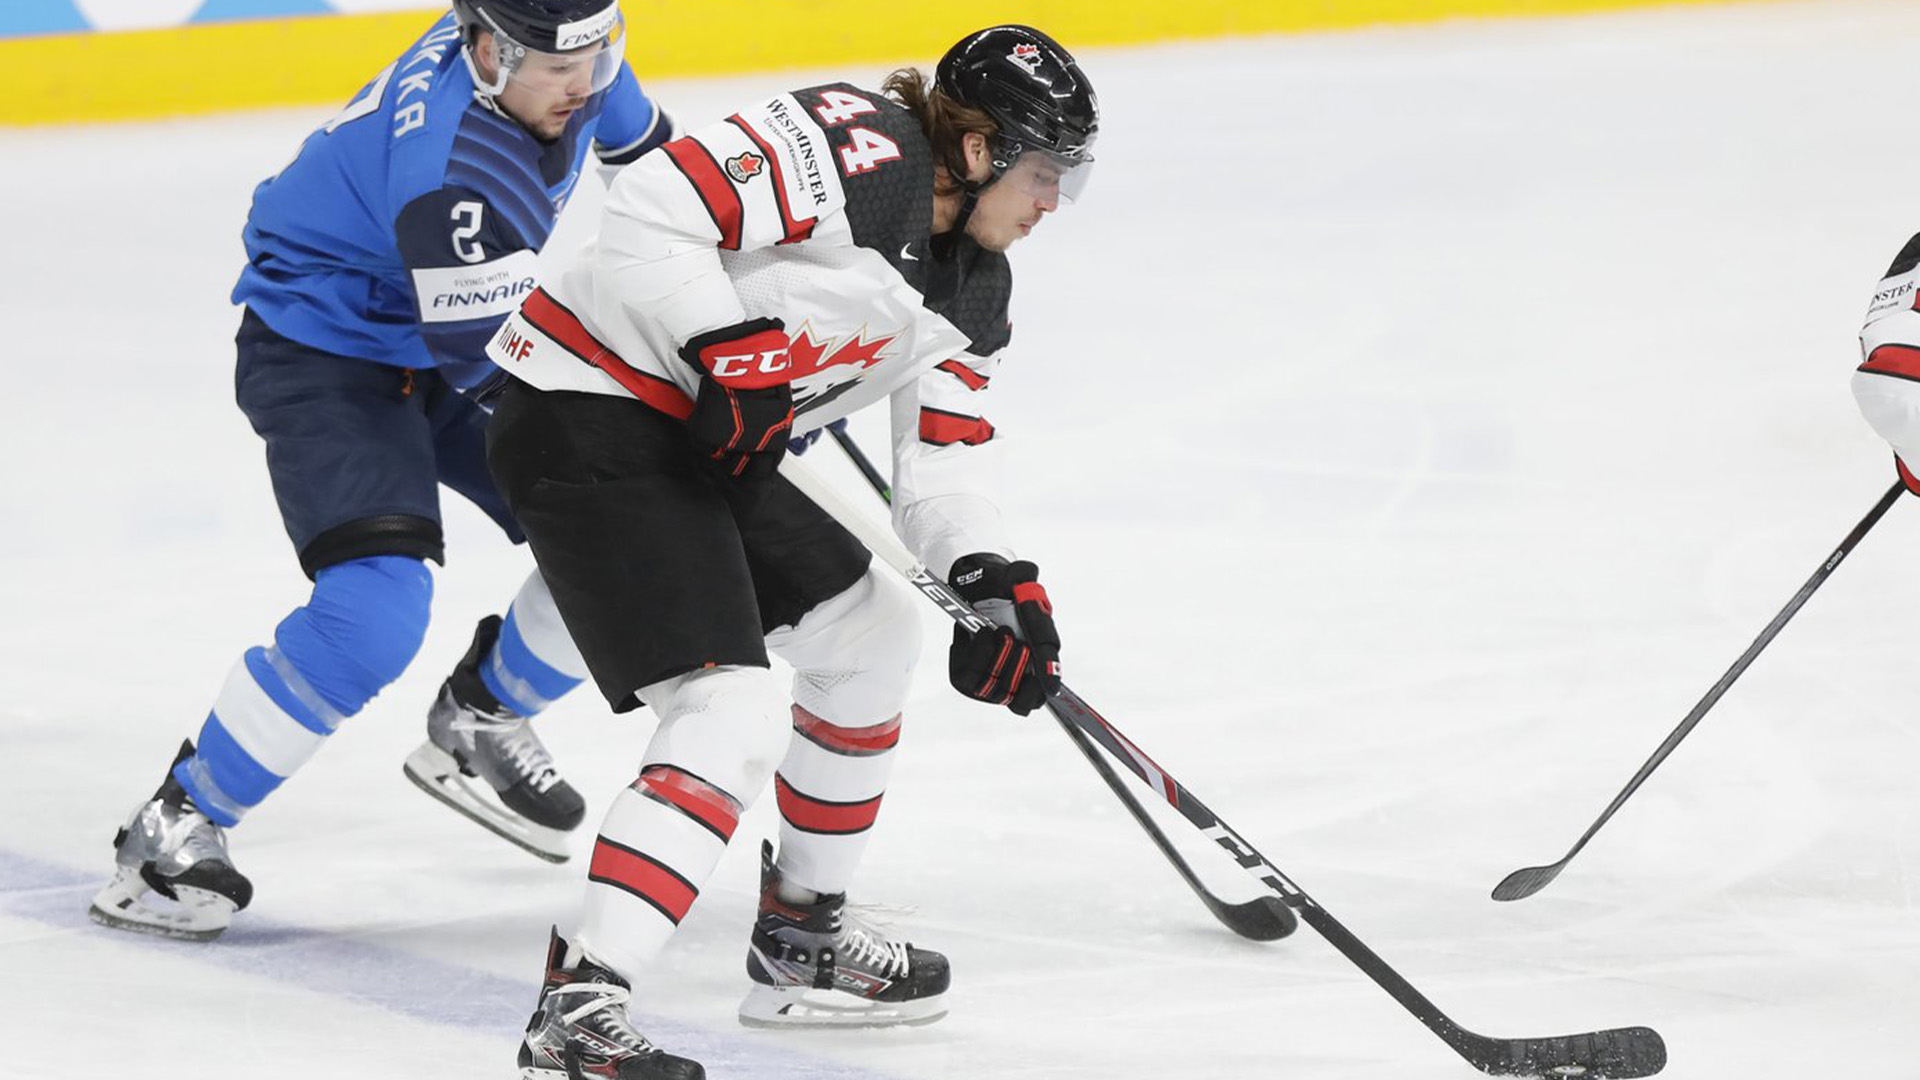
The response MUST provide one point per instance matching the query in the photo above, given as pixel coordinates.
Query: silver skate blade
(806, 1007)
(198, 915)
(434, 771)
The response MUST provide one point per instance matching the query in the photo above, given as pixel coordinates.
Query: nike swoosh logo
(906, 252)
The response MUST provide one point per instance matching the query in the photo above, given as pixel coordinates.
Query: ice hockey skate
(821, 965)
(170, 850)
(482, 759)
(580, 1027)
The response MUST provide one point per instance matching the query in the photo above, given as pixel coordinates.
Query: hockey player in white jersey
(1887, 383)
(819, 252)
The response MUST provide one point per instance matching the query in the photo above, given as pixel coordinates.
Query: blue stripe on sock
(238, 783)
(262, 671)
(511, 652)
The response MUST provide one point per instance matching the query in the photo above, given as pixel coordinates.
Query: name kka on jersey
(412, 115)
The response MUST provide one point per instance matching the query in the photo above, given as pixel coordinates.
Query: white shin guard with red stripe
(719, 731)
(853, 660)
(829, 789)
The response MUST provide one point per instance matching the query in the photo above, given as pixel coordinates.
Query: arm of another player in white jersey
(756, 179)
(1890, 340)
(946, 464)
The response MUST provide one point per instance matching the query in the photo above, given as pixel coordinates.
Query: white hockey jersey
(814, 208)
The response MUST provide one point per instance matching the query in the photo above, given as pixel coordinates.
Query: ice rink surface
(1410, 426)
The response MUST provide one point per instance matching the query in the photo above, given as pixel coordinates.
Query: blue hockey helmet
(536, 40)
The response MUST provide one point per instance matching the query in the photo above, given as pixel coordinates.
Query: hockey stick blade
(1265, 918)
(1528, 880)
(1614, 1054)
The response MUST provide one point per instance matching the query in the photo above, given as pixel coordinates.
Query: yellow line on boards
(316, 60)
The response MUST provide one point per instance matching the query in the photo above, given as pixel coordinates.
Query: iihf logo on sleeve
(745, 167)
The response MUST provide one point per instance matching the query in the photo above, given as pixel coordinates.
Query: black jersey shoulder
(1908, 258)
(884, 163)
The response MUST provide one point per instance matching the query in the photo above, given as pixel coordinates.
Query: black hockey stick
(1614, 1054)
(1261, 919)
(1528, 880)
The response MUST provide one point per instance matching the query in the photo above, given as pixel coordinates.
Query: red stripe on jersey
(973, 379)
(851, 742)
(1900, 361)
(819, 816)
(692, 796)
(716, 191)
(796, 231)
(945, 428)
(551, 318)
(650, 880)
(1907, 478)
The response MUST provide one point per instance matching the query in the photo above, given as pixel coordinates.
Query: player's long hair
(945, 121)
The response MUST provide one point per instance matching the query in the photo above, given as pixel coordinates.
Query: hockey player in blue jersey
(379, 263)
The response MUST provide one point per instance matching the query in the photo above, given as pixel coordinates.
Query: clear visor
(1049, 178)
(580, 72)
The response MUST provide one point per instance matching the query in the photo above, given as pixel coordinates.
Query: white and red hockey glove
(744, 409)
(1017, 663)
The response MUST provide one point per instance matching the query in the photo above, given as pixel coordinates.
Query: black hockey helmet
(1034, 91)
(552, 27)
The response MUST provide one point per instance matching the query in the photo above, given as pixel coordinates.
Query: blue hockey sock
(358, 632)
(533, 663)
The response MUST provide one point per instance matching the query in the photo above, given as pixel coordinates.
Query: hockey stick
(1528, 880)
(1614, 1054)
(1262, 919)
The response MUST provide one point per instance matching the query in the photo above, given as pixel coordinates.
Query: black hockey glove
(1017, 663)
(744, 409)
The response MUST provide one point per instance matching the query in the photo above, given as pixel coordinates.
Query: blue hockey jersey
(407, 227)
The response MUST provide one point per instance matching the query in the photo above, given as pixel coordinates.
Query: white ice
(1410, 425)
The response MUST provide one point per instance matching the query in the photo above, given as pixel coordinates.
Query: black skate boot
(483, 759)
(821, 965)
(580, 1027)
(169, 848)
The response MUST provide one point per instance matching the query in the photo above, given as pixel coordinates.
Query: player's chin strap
(943, 245)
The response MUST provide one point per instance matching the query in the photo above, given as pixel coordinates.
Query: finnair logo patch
(573, 35)
(488, 290)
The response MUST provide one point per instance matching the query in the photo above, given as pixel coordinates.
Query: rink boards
(94, 60)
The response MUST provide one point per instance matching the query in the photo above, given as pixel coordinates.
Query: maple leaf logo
(745, 167)
(809, 356)
(826, 368)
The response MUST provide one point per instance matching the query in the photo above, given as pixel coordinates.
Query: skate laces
(511, 739)
(603, 997)
(863, 940)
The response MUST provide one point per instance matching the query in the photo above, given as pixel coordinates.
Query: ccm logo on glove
(741, 420)
(746, 356)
